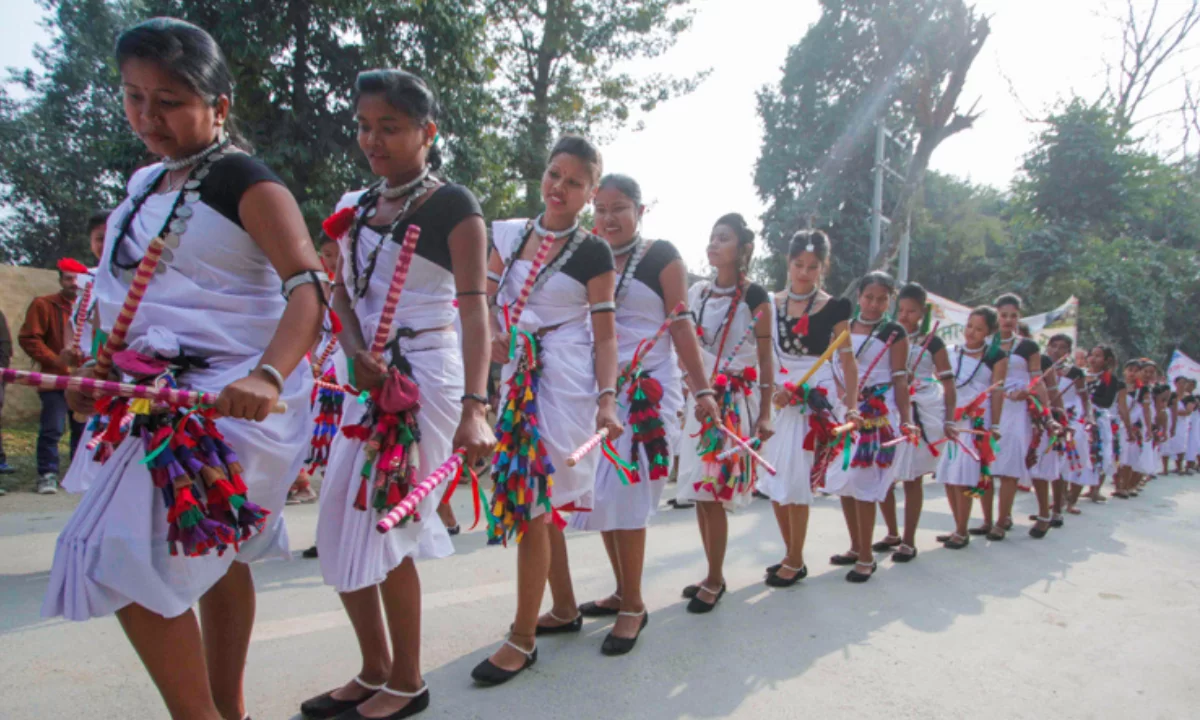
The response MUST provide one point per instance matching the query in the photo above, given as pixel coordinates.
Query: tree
(558, 71)
(294, 64)
(901, 62)
(1146, 47)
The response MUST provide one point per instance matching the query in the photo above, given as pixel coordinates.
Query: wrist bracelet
(481, 399)
(706, 392)
(766, 386)
(606, 391)
(275, 375)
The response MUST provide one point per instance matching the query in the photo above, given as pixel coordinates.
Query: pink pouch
(398, 394)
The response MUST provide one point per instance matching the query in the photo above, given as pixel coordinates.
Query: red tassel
(335, 322)
(360, 501)
(801, 326)
(393, 495)
(338, 224)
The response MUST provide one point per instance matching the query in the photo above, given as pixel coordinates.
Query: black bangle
(481, 399)
(464, 293)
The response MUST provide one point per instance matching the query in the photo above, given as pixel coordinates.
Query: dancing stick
(407, 248)
(645, 346)
(515, 310)
(592, 443)
(108, 388)
(726, 454)
(316, 369)
(742, 341)
(843, 429)
(137, 289)
(83, 312)
(886, 346)
(825, 356)
(925, 345)
(421, 491)
(749, 450)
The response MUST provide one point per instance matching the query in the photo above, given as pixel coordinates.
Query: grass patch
(20, 444)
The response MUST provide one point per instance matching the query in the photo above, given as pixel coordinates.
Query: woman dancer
(375, 574)
(733, 321)
(651, 282)
(1066, 456)
(933, 403)
(1016, 430)
(979, 371)
(884, 412)
(212, 319)
(1176, 446)
(1130, 410)
(806, 320)
(1150, 457)
(548, 377)
(1193, 444)
(1103, 388)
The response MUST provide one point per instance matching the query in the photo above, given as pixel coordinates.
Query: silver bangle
(899, 373)
(766, 386)
(607, 306)
(276, 376)
(706, 392)
(606, 391)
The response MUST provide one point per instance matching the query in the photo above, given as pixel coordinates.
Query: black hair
(97, 219)
(582, 149)
(991, 318)
(623, 184)
(915, 292)
(1024, 331)
(877, 277)
(1133, 363)
(188, 53)
(1009, 299)
(1110, 357)
(803, 240)
(409, 94)
(1062, 337)
(1161, 388)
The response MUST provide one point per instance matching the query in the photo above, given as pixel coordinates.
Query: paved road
(1098, 620)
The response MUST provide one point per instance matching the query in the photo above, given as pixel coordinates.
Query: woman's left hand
(951, 431)
(764, 429)
(474, 434)
(606, 417)
(251, 398)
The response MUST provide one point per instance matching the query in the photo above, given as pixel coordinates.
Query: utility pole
(904, 242)
(877, 200)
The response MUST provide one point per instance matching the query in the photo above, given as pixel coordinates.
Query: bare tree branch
(1144, 51)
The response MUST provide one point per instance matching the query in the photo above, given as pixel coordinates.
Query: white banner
(953, 317)
(1182, 365)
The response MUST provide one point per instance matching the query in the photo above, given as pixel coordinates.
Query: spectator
(5, 359)
(45, 337)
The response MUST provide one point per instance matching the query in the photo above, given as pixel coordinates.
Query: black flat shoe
(982, 530)
(843, 559)
(310, 553)
(572, 627)
(419, 702)
(325, 706)
(690, 591)
(613, 645)
(681, 505)
(1036, 533)
(453, 531)
(699, 607)
(1006, 525)
(1056, 521)
(774, 580)
(901, 556)
(487, 673)
(591, 609)
(855, 576)
(772, 569)
(996, 535)
(956, 542)
(885, 545)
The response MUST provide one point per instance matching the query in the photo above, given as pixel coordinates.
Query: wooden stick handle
(591, 444)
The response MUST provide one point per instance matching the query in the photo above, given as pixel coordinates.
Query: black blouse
(820, 328)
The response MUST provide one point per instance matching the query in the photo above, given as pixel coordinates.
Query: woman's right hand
(781, 398)
(707, 409)
(82, 402)
(500, 350)
(369, 370)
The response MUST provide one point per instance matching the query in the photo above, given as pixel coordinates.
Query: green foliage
(559, 68)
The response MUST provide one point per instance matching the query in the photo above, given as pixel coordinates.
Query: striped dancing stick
(84, 302)
(645, 346)
(399, 275)
(742, 341)
(513, 312)
(408, 505)
(748, 448)
(137, 290)
(108, 388)
(592, 443)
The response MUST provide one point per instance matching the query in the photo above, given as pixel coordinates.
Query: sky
(695, 155)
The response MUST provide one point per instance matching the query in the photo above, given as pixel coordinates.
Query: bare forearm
(606, 362)
(688, 350)
(297, 331)
(351, 336)
(476, 334)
